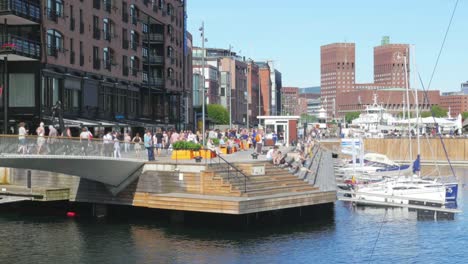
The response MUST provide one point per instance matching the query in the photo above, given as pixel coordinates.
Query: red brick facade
(456, 103)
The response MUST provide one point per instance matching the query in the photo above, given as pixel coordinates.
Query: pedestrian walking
(22, 148)
(40, 131)
(52, 139)
(84, 141)
(117, 138)
(127, 139)
(148, 142)
(137, 144)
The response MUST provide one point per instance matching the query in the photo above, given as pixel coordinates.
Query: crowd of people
(157, 142)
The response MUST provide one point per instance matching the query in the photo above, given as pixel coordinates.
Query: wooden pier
(199, 187)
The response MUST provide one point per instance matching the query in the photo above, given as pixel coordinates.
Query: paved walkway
(239, 156)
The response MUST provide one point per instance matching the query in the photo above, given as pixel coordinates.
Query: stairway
(275, 181)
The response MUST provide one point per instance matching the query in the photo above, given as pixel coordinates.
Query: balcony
(107, 36)
(53, 15)
(154, 37)
(134, 45)
(153, 59)
(107, 65)
(134, 71)
(20, 12)
(154, 81)
(19, 48)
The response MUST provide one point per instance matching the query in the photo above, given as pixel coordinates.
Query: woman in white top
(40, 131)
(22, 138)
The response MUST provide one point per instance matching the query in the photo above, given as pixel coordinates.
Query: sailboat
(403, 189)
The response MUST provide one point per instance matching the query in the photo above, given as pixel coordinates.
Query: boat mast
(416, 102)
(409, 108)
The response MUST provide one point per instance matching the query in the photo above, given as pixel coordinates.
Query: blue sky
(291, 33)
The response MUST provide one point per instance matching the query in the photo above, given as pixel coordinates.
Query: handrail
(229, 169)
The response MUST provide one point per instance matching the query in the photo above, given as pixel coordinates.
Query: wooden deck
(199, 187)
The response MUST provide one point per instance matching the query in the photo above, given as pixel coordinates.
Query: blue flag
(417, 164)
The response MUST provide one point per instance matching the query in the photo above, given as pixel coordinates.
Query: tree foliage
(218, 114)
(464, 115)
(437, 110)
(306, 118)
(351, 116)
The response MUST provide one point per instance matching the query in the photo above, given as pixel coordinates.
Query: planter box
(206, 154)
(182, 154)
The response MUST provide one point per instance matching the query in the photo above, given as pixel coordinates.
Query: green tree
(306, 118)
(351, 116)
(437, 110)
(464, 115)
(218, 114)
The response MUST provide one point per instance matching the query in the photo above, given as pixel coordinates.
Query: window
(107, 29)
(120, 96)
(134, 14)
(134, 64)
(96, 30)
(21, 90)
(97, 4)
(107, 5)
(124, 12)
(54, 9)
(132, 100)
(72, 19)
(170, 73)
(72, 52)
(170, 52)
(105, 98)
(54, 42)
(81, 54)
(81, 22)
(106, 57)
(50, 91)
(125, 65)
(124, 38)
(134, 39)
(96, 61)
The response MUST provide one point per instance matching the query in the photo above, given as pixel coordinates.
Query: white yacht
(401, 190)
(374, 119)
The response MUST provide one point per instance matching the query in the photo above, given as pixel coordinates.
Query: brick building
(290, 101)
(337, 73)
(389, 65)
(393, 99)
(109, 60)
(457, 103)
(253, 89)
(265, 88)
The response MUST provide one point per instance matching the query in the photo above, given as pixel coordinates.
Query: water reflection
(347, 236)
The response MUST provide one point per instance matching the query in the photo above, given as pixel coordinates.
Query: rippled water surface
(349, 236)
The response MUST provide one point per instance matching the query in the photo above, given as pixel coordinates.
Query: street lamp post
(230, 89)
(202, 29)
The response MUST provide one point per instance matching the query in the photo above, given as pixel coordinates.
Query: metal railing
(70, 146)
(156, 37)
(21, 46)
(232, 171)
(26, 8)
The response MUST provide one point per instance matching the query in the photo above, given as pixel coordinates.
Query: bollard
(29, 183)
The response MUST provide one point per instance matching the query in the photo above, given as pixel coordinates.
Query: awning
(73, 122)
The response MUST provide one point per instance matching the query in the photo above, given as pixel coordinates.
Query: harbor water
(349, 235)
